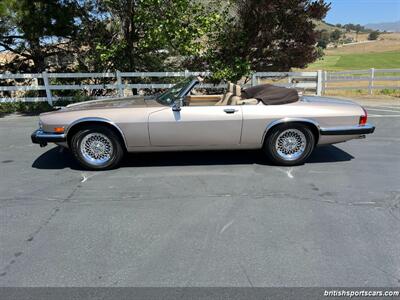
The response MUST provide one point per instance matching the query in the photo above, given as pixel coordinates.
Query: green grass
(382, 60)
(326, 63)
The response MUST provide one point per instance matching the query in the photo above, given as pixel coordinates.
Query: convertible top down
(285, 126)
(269, 94)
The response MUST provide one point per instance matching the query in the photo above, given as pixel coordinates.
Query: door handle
(230, 110)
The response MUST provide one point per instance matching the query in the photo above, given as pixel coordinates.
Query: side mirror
(177, 105)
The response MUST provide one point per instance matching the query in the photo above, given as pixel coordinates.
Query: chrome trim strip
(348, 130)
(95, 119)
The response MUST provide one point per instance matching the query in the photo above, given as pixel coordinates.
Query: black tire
(270, 144)
(114, 157)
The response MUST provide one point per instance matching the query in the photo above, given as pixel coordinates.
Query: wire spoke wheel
(290, 144)
(96, 148)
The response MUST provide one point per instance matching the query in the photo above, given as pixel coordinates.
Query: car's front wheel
(289, 144)
(97, 148)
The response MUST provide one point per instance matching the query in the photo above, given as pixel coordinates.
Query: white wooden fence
(299, 80)
(373, 79)
(17, 84)
(13, 86)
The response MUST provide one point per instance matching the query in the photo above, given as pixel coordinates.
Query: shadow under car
(60, 158)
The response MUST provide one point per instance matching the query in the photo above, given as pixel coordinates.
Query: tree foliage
(36, 29)
(335, 35)
(269, 35)
(373, 35)
(355, 27)
(148, 35)
(230, 38)
(324, 38)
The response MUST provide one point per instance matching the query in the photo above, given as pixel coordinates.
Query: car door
(196, 126)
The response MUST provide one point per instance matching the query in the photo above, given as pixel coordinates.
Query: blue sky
(363, 11)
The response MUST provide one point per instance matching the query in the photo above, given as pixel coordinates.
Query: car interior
(232, 96)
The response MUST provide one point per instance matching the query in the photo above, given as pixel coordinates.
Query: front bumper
(352, 130)
(42, 138)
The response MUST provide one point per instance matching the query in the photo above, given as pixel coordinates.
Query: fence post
(324, 80)
(371, 82)
(119, 84)
(319, 83)
(45, 76)
(254, 80)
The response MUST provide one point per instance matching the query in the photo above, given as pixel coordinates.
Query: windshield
(172, 94)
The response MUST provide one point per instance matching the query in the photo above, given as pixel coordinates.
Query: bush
(34, 108)
(24, 107)
(335, 35)
(390, 92)
(373, 35)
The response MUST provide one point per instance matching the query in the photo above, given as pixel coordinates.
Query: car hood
(134, 101)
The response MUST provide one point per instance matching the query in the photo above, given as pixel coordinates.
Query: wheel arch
(76, 125)
(313, 125)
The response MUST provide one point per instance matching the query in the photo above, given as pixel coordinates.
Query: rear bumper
(352, 130)
(42, 138)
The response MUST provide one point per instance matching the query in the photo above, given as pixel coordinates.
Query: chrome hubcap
(290, 144)
(96, 148)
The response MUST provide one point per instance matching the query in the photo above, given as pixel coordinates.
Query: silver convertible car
(277, 120)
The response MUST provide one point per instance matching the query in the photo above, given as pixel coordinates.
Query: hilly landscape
(387, 26)
(383, 53)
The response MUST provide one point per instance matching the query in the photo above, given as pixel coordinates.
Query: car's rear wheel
(97, 148)
(289, 144)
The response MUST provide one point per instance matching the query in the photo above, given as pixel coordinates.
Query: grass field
(358, 61)
(381, 54)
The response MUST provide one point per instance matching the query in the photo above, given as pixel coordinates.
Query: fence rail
(14, 86)
(120, 84)
(338, 80)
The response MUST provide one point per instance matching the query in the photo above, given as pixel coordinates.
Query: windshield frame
(177, 92)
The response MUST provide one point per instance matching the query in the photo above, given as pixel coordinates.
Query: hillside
(325, 26)
(388, 26)
(383, 53)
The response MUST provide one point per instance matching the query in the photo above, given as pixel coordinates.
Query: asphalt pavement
(225, 218)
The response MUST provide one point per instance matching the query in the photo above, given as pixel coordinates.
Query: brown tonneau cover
(270, 94)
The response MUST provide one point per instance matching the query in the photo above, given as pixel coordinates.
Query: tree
(358, 28)
(268, 35)
(35, 30)
(354, 27)
(149, 35)
(324, 38)
(335, 35)
(373, 35)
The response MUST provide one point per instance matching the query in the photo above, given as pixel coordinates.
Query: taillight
(363, 119)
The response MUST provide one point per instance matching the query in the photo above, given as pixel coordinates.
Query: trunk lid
(318, 99)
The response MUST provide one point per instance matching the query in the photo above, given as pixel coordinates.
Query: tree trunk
(39, 63)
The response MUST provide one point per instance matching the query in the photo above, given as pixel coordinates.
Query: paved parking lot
(202, 219)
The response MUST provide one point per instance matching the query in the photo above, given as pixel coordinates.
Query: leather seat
(237, 92)
(233, 96)
(252, 101)
(237, 99)
(228, 94)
